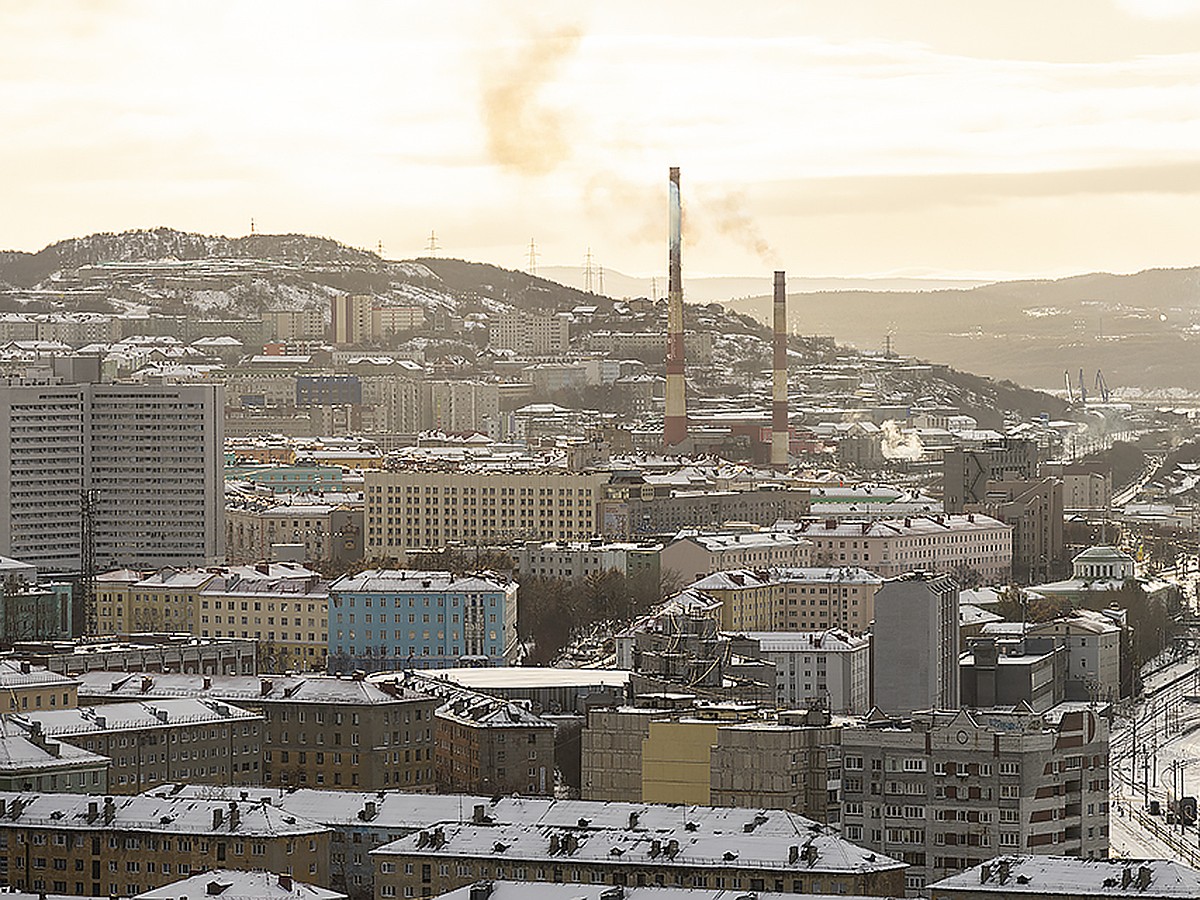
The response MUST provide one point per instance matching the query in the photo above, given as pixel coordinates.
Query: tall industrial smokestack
(779, 394)
(675, 427)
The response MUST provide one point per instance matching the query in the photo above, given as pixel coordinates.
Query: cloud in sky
(800, 127)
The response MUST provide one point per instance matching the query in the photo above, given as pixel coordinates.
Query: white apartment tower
(150, 457)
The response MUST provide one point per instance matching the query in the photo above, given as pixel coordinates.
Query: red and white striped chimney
(675, 425)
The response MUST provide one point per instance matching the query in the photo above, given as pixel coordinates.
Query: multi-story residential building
(792, 763)
(33, 687)
(696, 847)
(1018, 876)
(351, 319)
(231, 883)
(612, 745)
(692, 555)
(530, 334)
(36, 610)
(391, 320)
(915, 644)
(146, 652)
(416, 510)
(281, 606)
(1014, 670)
(320, 730)
(1087, 486)
(488, 745)
(128, 601)
(966, 473)
(1093, 648)
(577, 560)
(148, 458)
(1034, 509)
(31, 762)
(363, 822)
(794, 599)
(166, 740)
(830, 669)
(388, 619)
(103, 846)
(393, 404)
(948, 790)
(294, 324)
(284, 607)
(964, 545)
(638, 513)
(327, 532)
(460, 406)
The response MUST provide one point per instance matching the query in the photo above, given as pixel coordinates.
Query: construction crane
(1070, 390)
(1102, 386)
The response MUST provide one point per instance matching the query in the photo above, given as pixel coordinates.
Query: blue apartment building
(389, 619)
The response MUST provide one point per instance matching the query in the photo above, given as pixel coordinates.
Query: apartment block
(460, 406)
(144, 652)
(351, 319)
(488, 745)
(530, 334)
(319, 731)
(966, 473)
(416, 510)
(33, 687)
(794, 599)
(294, 324)
(327, 532)
(828, 669)
(148, 456)
(149, 743)
(36, 763)
(948, 790)
(364, 822)
(645, 513)
(389, 619)
(283, 607)
(627, 845)
(577, 560)
(792, 763)
(1019, 875)
(915, 645)
(692, 555)
(970, 544)
(106, 846)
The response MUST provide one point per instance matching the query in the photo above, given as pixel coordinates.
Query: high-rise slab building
(915, 642)
(147, 457)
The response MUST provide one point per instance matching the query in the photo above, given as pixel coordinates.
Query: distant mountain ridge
(1142, 330)
(21, 269)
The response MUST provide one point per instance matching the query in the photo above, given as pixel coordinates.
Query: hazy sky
(839, 137)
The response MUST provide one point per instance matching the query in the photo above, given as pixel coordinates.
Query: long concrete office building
(148, 458)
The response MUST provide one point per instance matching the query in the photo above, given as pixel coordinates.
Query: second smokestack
(675, 421)
(779, 388)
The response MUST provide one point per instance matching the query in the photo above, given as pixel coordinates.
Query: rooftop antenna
(432, 246)
(587, 272)
(533, 256)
